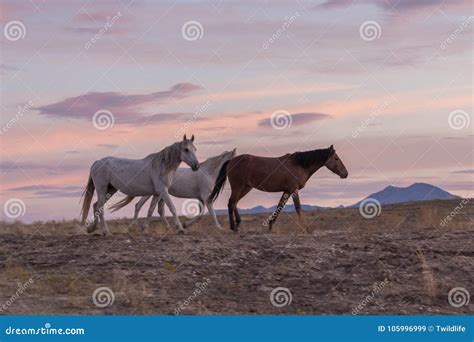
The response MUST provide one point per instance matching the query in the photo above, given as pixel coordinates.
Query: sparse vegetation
(329, 268)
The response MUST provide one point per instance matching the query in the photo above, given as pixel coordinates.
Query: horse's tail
(122, 203)
(220, 182)
(86, 204)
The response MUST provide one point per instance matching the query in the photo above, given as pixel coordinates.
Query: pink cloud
(125, 108)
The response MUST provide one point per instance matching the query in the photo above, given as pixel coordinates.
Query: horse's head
(228, 155)
(335, 164)
(188, 153)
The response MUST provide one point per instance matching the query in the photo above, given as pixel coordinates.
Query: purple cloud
(400, 5)
(298, 119)
(50, 191)
(125, 108)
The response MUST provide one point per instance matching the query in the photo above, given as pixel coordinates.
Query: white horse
(186, 184)
(151, 175)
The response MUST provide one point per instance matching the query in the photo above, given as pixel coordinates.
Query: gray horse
(151, 175)
(186, 184)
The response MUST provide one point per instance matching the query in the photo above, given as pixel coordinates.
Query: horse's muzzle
(344, 176)
(195, 167)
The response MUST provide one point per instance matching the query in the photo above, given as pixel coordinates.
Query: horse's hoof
(90, 229)
(181, 232)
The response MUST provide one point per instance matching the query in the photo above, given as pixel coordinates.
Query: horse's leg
(279, 209)
(138, 207)
(213, 214)
(103, 195)
(236, 195)
(297, 203)
(93, 227)
(231, 208)
(198, 217)
(153, 203)
(166, 198)
(161, 212)
(244, 192)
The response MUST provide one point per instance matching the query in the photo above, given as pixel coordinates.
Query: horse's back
(263, 173)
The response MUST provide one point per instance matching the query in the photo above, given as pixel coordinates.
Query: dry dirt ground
(401, 262)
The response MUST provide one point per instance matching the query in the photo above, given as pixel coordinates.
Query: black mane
(308, 158)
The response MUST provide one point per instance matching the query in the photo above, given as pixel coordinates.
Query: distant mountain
(389, 195)
(415, 192)
(261, 209)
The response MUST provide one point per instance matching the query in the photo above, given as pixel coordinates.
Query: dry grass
(330, 263)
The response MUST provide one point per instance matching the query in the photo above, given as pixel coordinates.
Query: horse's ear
(192, 138)
(184, 138)
(331, 150)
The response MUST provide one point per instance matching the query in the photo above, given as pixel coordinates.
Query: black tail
(220, 182)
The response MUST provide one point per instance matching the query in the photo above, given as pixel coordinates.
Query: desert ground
(404, 261)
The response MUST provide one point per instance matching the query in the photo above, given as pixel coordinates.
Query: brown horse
(288, 173)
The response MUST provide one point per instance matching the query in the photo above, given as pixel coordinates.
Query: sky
(388, 82)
